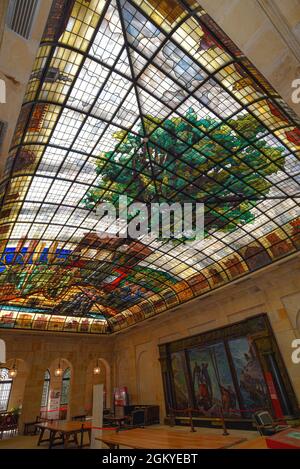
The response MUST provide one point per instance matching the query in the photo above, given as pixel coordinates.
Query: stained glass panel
(152, 100)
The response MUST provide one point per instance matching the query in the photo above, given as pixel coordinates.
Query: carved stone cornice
(273, 12)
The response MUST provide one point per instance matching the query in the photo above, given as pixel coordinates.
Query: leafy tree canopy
(191, 160)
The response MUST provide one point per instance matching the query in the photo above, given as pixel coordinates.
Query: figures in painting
(96, 277)
(79, 305)
(202, 382)
(214, 391)
(249, 374)
(250, 379)
(212, 381)
(229, 400)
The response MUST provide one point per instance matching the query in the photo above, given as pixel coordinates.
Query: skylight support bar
(192, 12)
(40, 85)
(232, 244)
(223, 121)
(136, 93)
(213, 75)
(206, 105)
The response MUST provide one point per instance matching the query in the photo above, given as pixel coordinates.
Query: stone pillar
(32, 395)
(77, 391)
(97, 415)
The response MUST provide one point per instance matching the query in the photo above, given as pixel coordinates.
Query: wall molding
(274, 14)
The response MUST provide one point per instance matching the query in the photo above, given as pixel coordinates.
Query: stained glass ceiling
(149, 99)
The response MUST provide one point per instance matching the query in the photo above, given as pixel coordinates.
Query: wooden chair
(30, 427)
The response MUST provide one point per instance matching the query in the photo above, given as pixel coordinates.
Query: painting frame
(256, 331)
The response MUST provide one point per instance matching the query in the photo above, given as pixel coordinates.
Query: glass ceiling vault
(149, 99)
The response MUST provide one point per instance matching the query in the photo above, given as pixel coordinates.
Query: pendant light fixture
(58, 371)
(97, 369)
(13, 371)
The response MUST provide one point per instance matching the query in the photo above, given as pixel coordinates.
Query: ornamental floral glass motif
(149, 99)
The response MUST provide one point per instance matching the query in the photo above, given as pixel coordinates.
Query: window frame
(46, 381)
(66, 380)
(5, 382)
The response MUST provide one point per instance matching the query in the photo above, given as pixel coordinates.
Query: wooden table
(145, 438)
(253, 443)
(63, 431)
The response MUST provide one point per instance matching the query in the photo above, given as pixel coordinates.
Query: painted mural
(70, 284)
(156, 102)
(249, 374)
(227, 373)
(179, 372)
(212, 382)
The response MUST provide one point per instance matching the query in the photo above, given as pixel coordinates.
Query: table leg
(89, 432)
(66, 440)
(112, 445)
(41, 436)
(81, 439)
(52, 438)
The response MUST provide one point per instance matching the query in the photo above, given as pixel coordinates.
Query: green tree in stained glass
(191, 160)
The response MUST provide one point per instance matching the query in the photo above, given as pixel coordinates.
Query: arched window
(5, 388)
(46, 389)
(65, 387)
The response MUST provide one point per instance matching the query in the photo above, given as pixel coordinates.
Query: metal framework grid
(149, 99)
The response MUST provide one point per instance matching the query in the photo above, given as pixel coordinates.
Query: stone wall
(275, 291)
(131, 358)
(39, 352)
